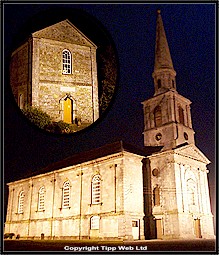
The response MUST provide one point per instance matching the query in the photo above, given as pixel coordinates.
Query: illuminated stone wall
(171, 130)
(48, 84)
(184, 195)
(121, 201)
(19, 72)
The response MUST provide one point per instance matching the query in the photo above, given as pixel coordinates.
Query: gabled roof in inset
(64, 31)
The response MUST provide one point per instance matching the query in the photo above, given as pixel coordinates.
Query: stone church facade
(55, 70)
(92, 197)
(120, 192)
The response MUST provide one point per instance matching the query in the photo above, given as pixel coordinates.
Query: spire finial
(158, 11)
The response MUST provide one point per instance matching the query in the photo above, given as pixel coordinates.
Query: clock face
(186, 136)
(158, 136)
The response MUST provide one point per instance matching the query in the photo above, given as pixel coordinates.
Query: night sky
(190, 30)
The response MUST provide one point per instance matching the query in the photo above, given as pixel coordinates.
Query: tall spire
(164, 73)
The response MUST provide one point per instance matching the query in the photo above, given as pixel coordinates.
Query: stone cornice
(192, 152)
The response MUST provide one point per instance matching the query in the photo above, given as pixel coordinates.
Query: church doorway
(68, 110)
(159, 229)
(135, 229)
(197, 228)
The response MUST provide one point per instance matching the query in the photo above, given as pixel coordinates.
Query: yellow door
(197, 228)
(159, 228)
(67, 110)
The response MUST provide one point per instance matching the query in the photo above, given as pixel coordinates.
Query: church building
(119, 192)
(55, 70)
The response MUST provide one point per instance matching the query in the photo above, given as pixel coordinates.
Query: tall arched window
(156, 195)
(21, 202)
(66, 194)
(41, 199)
(21, 101)
(66, 62)
(157, 116)
(95, 189)
(181, 115)
(191, 192)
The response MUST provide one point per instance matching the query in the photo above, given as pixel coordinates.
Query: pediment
(191, 151)
(64, 31)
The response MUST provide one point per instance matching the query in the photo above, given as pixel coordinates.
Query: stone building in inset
(55, 70)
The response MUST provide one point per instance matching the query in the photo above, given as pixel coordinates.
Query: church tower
(176, 192)
(167, 116)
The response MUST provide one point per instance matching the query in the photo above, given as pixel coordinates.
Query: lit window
(95, 222)
(95, 187)
(41, 199)
(66, 62)
(66, 194)
(21, 101)
(157, 116)
(156, 196)
(21, 202)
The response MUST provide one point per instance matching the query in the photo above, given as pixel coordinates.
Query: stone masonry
(121, 201)
(37, 73)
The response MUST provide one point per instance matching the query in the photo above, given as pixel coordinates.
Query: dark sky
(190, 30)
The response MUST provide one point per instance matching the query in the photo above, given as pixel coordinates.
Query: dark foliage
(37, 117)
(107, 75)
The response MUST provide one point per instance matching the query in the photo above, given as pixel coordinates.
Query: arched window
(157, 116)
(191, 194)
(66, 62)
(156, 196)
(95, 222)
(181, 115)
(41, 199)
(95, 189)
(21, 101)
(21, 202)
(66, 194)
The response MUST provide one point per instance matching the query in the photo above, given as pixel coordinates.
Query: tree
(107, 75)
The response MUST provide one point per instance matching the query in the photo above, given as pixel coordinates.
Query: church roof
(108, 149)
(162, 53)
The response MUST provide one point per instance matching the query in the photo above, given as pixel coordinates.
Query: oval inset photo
(63, 70)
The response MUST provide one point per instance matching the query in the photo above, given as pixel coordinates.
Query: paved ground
(199, 245)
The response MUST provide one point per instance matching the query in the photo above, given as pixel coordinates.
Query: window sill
(101, 203)
(64, 208)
